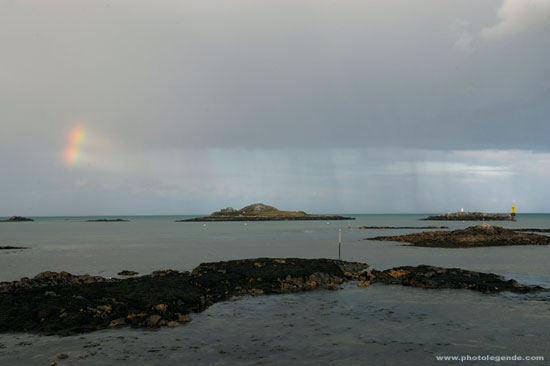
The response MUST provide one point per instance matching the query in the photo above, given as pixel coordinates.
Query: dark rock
(532, 230)
(10, 247)
(475, 236)
(164, 298)
(127, 273)
(424, 276)
(61, 356)
(469, 216)
(92, 303)
(17, 219)
(49, 279)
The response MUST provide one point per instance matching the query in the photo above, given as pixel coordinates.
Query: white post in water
(339, 244)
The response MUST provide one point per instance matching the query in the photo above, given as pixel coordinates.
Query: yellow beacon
(513, 212)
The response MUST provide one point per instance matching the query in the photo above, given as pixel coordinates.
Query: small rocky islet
(469, 216)
(261, 212)
(64, 304)
(17, 219)
(483, 235)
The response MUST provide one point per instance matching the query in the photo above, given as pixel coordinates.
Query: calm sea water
(384, 324)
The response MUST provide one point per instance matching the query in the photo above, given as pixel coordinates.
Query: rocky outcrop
(261, 212)
(475, 236)
(10, 247)
(127, 273)
(17, 219)
(107, 220)
(431, 277)
(401, 227)
(61, 303)
(49, 279)
(532, 230)
(469, 216)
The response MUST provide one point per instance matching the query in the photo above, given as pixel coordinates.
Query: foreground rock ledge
(483, 235)
(62, 303)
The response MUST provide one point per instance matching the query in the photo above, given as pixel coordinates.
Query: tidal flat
(385, 325)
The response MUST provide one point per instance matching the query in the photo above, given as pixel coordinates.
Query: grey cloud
(190, 104)
(273, 75)
(518, 16)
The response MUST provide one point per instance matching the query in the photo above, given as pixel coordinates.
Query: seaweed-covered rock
(127, 273)
(424, 276)
(482, 235)
(62, 303)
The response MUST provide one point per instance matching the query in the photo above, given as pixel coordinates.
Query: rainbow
(73, 150)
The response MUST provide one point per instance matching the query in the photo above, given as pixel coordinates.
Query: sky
(129, 107)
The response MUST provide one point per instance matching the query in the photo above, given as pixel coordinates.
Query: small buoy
(203, 224)
(245, 224)
(328, 223)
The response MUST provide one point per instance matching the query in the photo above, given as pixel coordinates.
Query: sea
(379, 324)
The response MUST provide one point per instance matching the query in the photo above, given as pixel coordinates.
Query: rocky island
(483, 235)
(261, 212)
(17, 219)
(62, 303)
(469, 216)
